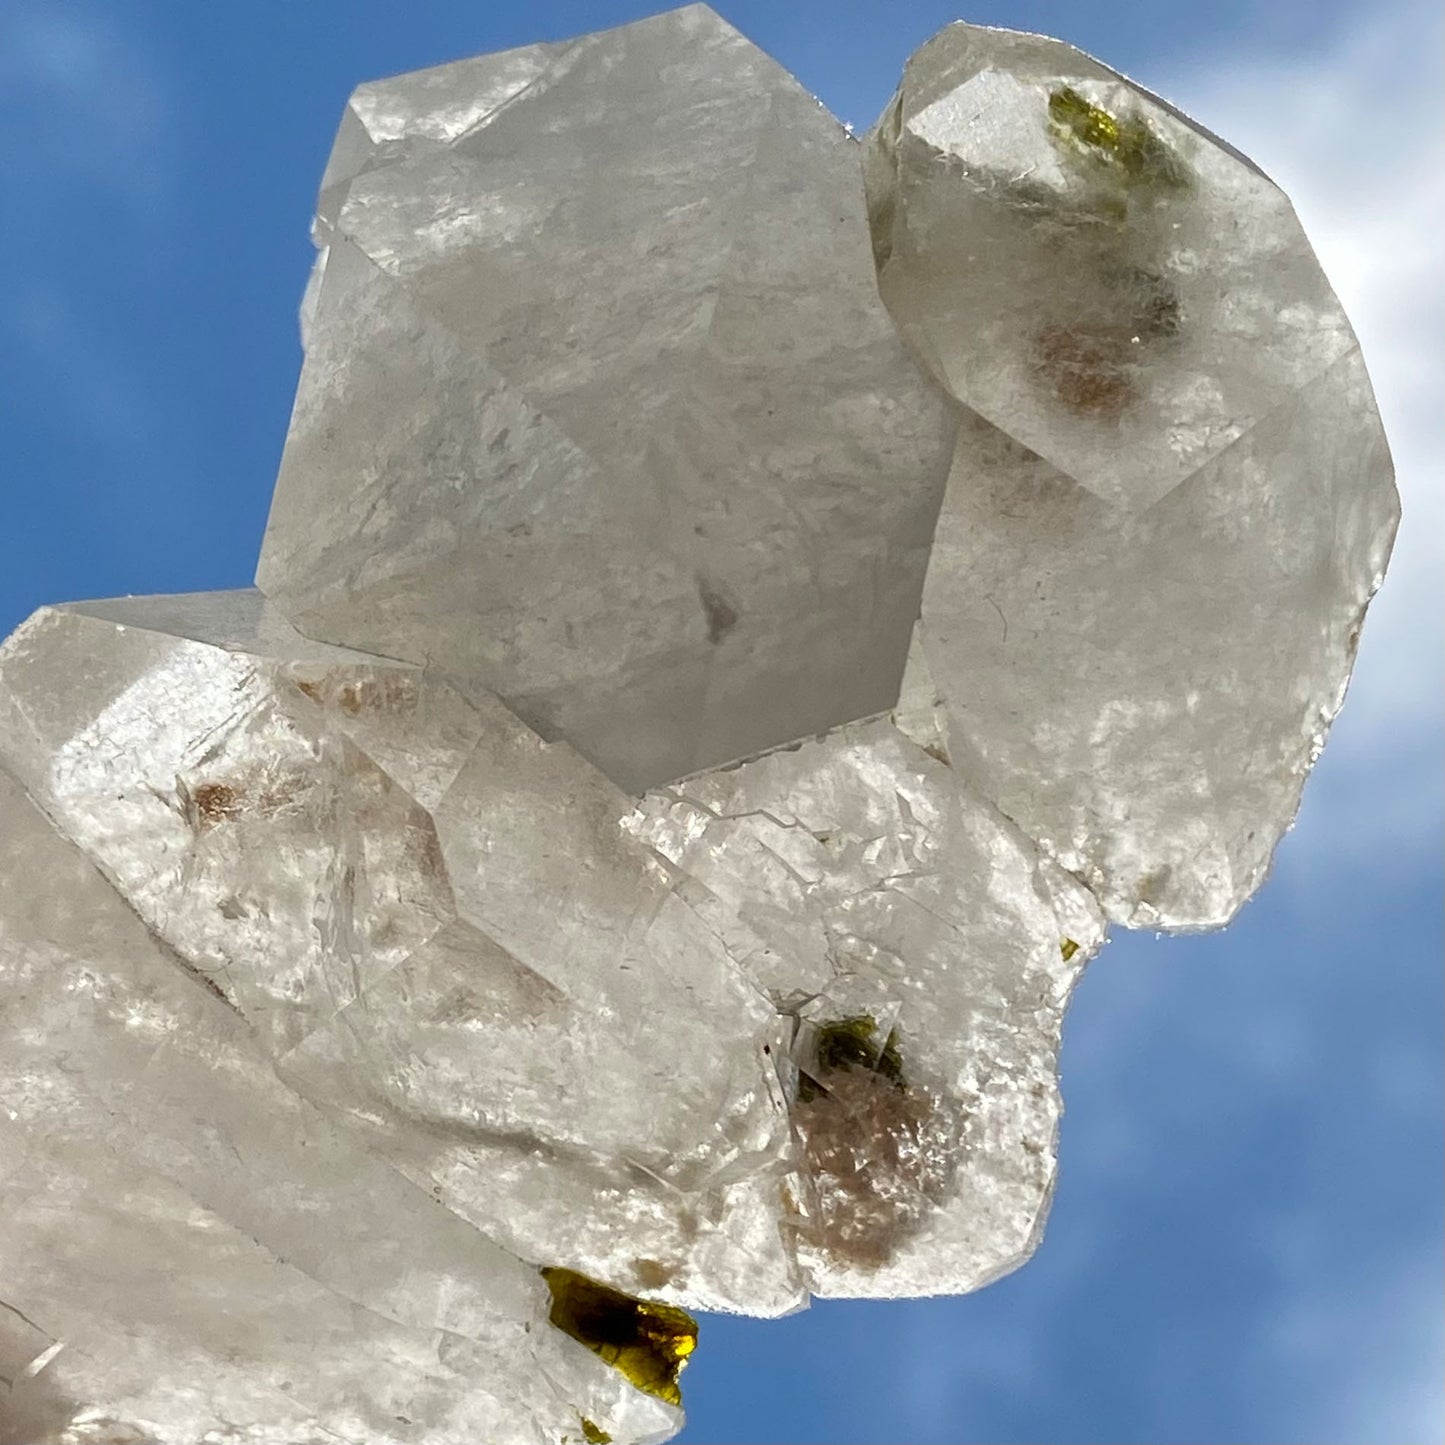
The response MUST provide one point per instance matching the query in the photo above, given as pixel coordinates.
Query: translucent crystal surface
(600, 411)
(389, 961)
(634, 853)
(390, 952)
(189, 1246)
(855, 877)
(1171, 497)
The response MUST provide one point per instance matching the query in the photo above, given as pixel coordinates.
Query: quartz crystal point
(600, 412)
(1171, 498)
(612, 866)
(353, 859)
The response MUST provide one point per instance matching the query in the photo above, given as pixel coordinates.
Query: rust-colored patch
(652, 1273)
(216, 803)
(388, 692)
(352, 695)
(1088, 367)
(260, 794)
(876, 1162)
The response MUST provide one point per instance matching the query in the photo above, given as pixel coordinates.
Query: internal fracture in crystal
(741, 612)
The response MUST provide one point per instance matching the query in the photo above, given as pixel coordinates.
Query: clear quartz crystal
(1171, 498)
(600, 412)
(635, 850)
(397, 963)
(859, 879)
(393, 957)
(190, 1246)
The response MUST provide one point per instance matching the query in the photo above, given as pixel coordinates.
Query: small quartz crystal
(742, 611)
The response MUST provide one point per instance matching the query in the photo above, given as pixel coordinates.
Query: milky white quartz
(190, 1247)
(741, 612)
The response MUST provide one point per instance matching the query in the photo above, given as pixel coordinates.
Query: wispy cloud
(85, 101)
(1394, 1329)
(1354, 137)
(88, 175)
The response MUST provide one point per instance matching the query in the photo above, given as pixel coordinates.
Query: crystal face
(600, 412)
(703, 704)
(1086, 268)
(1170, 499)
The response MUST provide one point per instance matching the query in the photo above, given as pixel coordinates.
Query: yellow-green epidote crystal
(1125, 143)
(851, 1043)
(649, 1343)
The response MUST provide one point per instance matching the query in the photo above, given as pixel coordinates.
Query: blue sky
(1247, 1239)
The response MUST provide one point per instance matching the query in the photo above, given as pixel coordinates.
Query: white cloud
(85, 101)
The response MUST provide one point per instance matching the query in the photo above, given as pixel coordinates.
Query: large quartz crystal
(703, 700)
(600, 413)
(1170, 498)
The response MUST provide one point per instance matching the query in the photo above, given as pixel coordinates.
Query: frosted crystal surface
(600, 412)
(388, 960)
(173, 1213)
(1171, 498)
(856, 877)
(391, 954)
(709, 689)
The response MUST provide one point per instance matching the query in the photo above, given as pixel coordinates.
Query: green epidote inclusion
(850, 1043)
(1092, 363)
(1124, 145)
(647, 1342)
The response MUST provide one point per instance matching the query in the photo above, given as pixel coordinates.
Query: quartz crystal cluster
(742, 611)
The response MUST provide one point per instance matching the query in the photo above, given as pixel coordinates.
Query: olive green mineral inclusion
(648, 1342)
(850, 1044)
